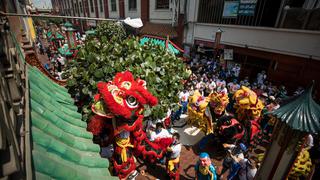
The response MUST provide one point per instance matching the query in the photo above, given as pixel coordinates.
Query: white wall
(285, 41)
(113, 14)
(191, 17)
(133, 14)
(163, 16)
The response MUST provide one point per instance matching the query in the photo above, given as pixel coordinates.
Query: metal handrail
(55, 16)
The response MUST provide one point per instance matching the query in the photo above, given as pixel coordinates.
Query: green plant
(100, 60)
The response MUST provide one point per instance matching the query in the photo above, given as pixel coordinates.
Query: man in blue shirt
(204, 168)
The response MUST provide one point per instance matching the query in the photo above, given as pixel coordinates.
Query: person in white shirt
(212, 86)
(183, 98)
(309, 142)
(248, 170)
(222, 89)
(261, 77)
(236, 71)
(159, 133)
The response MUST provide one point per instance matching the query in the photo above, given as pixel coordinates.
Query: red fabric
(96, 125)
(96, 97)
(167, 122)
(121, 170)
(136, 125)
(163, 143)
(255, 129)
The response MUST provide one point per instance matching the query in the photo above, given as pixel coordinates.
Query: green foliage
(111, 31)
(100, 60)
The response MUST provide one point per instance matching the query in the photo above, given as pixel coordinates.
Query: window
(91, 6)
(132, 5)
(75, 8)
(113, 5)
(80, 4)
(101, 6)
(162, 4)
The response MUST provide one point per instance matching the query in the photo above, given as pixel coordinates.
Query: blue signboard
(247, 9)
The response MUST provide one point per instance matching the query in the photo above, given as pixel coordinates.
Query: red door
(121, 8)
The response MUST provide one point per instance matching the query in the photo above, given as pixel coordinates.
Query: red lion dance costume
(121, 102)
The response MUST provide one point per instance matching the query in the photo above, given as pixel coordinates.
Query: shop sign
(230, 9)
(228, 54)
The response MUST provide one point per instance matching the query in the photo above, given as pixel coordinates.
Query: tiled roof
(61, 146)
(162, 30)
(302, 113)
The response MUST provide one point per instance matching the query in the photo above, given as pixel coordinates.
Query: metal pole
(53, 16)
(280, 13)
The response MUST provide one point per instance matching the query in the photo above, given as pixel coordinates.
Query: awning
(59, 36)
(55, 36)
(91, 32)
(65, 51)
(49, 34)
(170, 46)
(162, 30)
(67, 24)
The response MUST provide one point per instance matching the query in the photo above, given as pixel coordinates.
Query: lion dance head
(219, 102)
(248, 106)
(123, 98)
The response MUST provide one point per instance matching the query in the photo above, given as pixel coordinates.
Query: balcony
(302, 43)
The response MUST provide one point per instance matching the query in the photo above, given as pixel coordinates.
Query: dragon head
(124, 99)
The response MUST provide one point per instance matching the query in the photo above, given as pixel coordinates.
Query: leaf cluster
(111, 52)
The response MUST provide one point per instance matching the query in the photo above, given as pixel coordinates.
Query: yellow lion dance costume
(199, 112)
(248, 106)
(302, 165)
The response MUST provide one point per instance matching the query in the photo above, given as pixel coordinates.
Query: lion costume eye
(132, 102)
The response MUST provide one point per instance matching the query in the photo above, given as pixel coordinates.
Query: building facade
(281, 37)
(160, 17)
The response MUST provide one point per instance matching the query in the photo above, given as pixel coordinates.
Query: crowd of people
(56, 60)
(208, 75)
